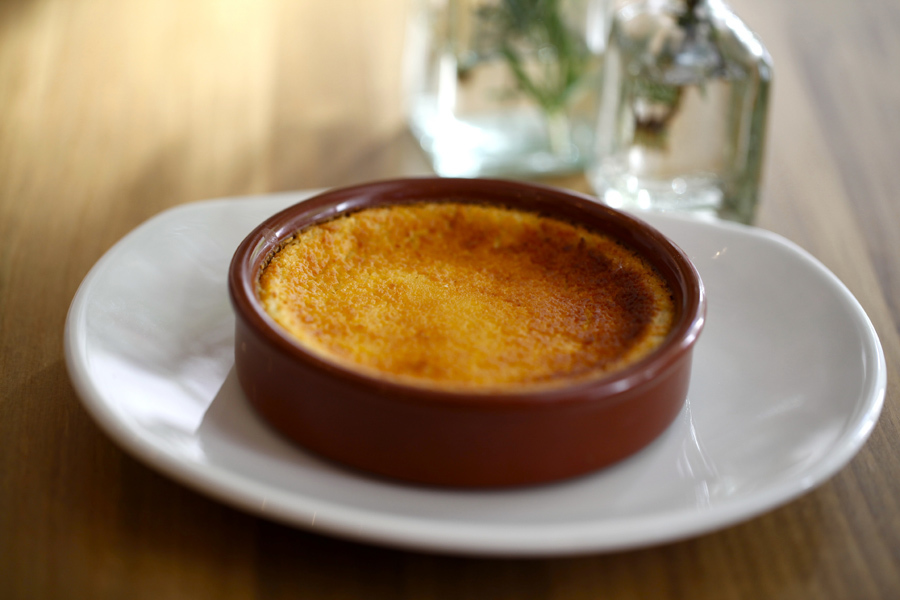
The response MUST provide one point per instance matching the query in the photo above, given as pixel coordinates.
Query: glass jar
(505, 87)
(683, 111)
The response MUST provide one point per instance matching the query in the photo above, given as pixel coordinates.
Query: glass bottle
(683, 110)
(505, 87)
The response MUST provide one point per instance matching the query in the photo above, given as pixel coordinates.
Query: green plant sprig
(521, 27)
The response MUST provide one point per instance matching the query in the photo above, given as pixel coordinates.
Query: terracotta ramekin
(439, 437)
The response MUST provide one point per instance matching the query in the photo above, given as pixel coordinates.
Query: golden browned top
(469, 296)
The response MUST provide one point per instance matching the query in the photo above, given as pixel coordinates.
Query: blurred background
(225, 94)
(114, 110)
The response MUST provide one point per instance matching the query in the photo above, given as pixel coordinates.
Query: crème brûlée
(466, 296)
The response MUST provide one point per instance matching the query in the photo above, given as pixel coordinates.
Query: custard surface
(466, 296)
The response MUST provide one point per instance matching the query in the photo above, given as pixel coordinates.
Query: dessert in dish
(464, 332)
(458, 295)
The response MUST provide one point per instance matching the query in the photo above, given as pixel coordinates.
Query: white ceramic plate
(788, 381)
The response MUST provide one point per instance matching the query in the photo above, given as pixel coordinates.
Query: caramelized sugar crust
(466, 296)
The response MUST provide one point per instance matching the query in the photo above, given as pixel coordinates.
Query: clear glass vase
(683, 111)
(505, 87)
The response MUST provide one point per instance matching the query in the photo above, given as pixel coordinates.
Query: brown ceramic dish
(449, 437)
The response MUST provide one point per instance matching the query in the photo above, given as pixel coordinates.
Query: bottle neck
(691, 5)
(692, 12)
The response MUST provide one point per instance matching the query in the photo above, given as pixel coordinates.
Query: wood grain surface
(113, 110)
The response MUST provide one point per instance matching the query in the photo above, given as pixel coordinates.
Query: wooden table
(113, 110)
